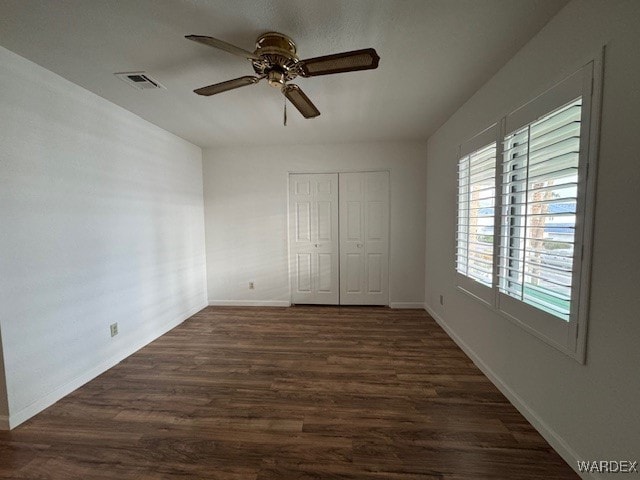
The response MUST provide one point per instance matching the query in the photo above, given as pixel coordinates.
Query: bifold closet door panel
(364, 238)
(313, 238)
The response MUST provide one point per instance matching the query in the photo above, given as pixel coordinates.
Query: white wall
(246, 215)
(101, 218)
(587, 411)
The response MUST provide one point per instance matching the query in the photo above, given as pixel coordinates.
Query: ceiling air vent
(139, 80)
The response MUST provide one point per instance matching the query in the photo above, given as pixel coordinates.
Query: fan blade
(299, 100)
(222, 45)
(366, 59)
(228, 85)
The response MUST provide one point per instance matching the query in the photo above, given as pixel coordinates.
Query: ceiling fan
(275, 58)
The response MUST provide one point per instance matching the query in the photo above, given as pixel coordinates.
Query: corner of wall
(205, 280)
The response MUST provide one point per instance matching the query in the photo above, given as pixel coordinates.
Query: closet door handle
(359, 245)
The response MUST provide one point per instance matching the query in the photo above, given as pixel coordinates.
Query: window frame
(568, 337)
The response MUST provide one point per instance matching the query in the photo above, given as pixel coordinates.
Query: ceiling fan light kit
(275, 58)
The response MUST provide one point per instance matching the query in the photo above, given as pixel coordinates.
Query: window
(476, 202)
(476, 214)
(538, 210)
(524, 213)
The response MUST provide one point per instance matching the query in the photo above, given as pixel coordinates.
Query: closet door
(313, 238)
(364, 238)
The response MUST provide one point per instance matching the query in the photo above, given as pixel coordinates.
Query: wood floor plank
(286, 393)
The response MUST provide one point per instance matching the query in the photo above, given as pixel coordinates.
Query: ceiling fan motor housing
(278, 54)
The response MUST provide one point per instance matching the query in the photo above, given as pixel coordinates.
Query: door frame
(288, 225)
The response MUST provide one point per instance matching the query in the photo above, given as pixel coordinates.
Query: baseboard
(64, 390)
(550, 435)
(249, 303)
(419, 305)
(283, 303)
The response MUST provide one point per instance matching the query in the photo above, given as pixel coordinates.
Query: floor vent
(139, 80)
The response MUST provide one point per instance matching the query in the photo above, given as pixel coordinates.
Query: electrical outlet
(114, 329)
(441, 299)
(251, 286)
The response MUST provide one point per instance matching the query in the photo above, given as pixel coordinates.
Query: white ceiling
(434, 55)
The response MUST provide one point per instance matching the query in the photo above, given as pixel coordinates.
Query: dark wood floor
(299, 393)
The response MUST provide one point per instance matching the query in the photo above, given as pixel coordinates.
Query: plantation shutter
(539, 193)
(476, 203)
